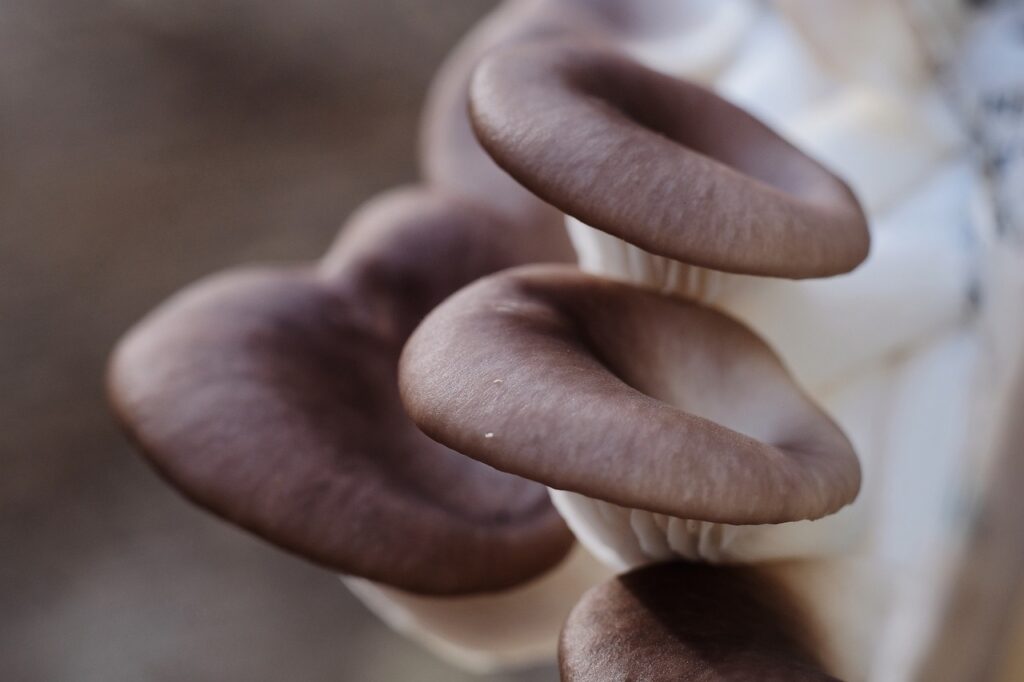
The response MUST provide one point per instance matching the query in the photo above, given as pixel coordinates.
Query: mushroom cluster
(598, 317)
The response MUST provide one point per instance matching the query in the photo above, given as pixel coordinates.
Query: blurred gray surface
(144, 143)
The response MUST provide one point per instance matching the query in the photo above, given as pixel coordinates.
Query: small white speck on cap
(498, 381)
(489, 434)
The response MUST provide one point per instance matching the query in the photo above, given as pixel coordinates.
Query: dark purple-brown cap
(676, 622)
(661, 163)
(269, 396)
(626, 395)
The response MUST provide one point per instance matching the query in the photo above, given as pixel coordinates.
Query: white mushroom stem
(774, 75)
(489, 632)
(878, 602)
(692, 38)
(916, 282)
(883, 143)
(901, 51)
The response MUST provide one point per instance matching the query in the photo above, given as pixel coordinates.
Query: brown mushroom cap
(450, 155)
(662, 163)
(269, 396)
(625, 395)
(689, 622)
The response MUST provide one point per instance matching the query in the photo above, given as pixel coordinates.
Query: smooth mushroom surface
(662, 163)
(690, 622)
(269, 396)
(483, 633)
(626, 395)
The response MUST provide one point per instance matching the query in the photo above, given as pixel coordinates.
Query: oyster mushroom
(269, 397)
(681, 182)
(633, 154)
(927, 320)
(225, 389)
(661, 163)
(704, 424)
(683, 174)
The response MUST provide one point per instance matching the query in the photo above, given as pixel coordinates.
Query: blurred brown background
(144, 143)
